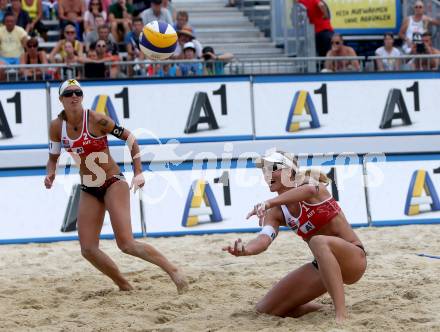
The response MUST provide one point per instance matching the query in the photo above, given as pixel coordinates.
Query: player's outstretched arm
(54, 152)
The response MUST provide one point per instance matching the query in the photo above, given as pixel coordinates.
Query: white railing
(190, 68)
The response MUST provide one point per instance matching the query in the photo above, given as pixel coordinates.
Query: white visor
(66, 84)
(276, 158)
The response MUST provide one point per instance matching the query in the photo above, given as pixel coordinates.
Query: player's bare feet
(179, 280)
(341, 317)
(125, 286)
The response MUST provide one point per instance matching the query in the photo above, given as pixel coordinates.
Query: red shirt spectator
(319, 15)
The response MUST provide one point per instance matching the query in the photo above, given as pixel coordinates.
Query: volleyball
(158, 40)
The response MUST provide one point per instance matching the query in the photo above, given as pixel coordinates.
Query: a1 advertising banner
(202, 110)
(23, 116)
(217, 200)
(365, 16)
(290, 107)
(31, 213)
(404, 192)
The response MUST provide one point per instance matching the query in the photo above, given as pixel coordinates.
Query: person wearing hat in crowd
(186, 35)
(190, 69)
(215, 64)
(156, 13)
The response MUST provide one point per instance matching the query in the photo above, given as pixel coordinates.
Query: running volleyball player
(83, 133)
(304, 204)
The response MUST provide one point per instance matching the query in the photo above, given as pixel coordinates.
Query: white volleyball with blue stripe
(158, 40)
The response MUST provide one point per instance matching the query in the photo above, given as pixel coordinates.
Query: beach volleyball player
(304, 205)
(83, 134)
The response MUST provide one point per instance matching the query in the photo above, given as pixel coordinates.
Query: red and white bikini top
(86, 143)
(312, 217)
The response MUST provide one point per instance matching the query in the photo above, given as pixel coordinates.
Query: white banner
(30, 212)
(188, 111)
(23, 117)
(168, 209)
(344, 108)
(404, 192)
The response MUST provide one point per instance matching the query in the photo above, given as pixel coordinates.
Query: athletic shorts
(99, 192)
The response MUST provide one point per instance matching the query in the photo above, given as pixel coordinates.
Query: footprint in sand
(93, 295)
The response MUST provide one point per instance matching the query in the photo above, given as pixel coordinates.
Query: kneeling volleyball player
(305, 206)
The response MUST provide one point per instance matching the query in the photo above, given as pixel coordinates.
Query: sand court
(50, 287)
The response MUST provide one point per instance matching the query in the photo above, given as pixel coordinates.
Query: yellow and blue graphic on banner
(421, 183)
(103, 104)
(371, 16)
(302, 110)
(199, 192)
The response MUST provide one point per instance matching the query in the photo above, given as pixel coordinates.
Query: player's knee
(127, 247)
(318, 242)
(261, 308)
(88, 252)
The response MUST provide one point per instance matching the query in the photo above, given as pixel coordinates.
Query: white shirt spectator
(388, 64)
(147, 16)
(198, 47)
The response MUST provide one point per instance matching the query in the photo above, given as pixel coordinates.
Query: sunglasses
(273, 168)
(32, 46)
(70, 32)
(101, 45)
(418, 6)
(70, 93)
(336, 42)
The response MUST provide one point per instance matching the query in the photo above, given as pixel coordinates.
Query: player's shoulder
(275, 217)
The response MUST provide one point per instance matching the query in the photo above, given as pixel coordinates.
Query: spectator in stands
(319, 15)
(156, 13)
(182, 19)
(58, 53)
(425, 48)
(413, 27)
(35, 10)
(94, 10)
(139, 6)
(167, 70)
(32, 56)
(132, 46)
(104, 34)
(168, 5)
(120, 15)
(103, 54)
(386, 52)
(231, 3)
(21, 17)
(92, 35)
(215, 64)
(71, 59)
(12, 40)
(3, 10)
(186, 35)
(72, 11)
(340, 50)
(190, 69)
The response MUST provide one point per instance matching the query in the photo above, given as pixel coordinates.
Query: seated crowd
(95, 32)
(416, 40)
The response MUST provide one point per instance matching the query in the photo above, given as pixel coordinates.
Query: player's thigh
(117, 202)
(298, 287)
(90, 219)
(352, 259)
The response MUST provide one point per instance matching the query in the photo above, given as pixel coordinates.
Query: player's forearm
(51, 167)
(136, 157)
(293, 195)
(255, 247)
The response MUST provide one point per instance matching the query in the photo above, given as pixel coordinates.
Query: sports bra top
(312, 217)
(86, 143)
